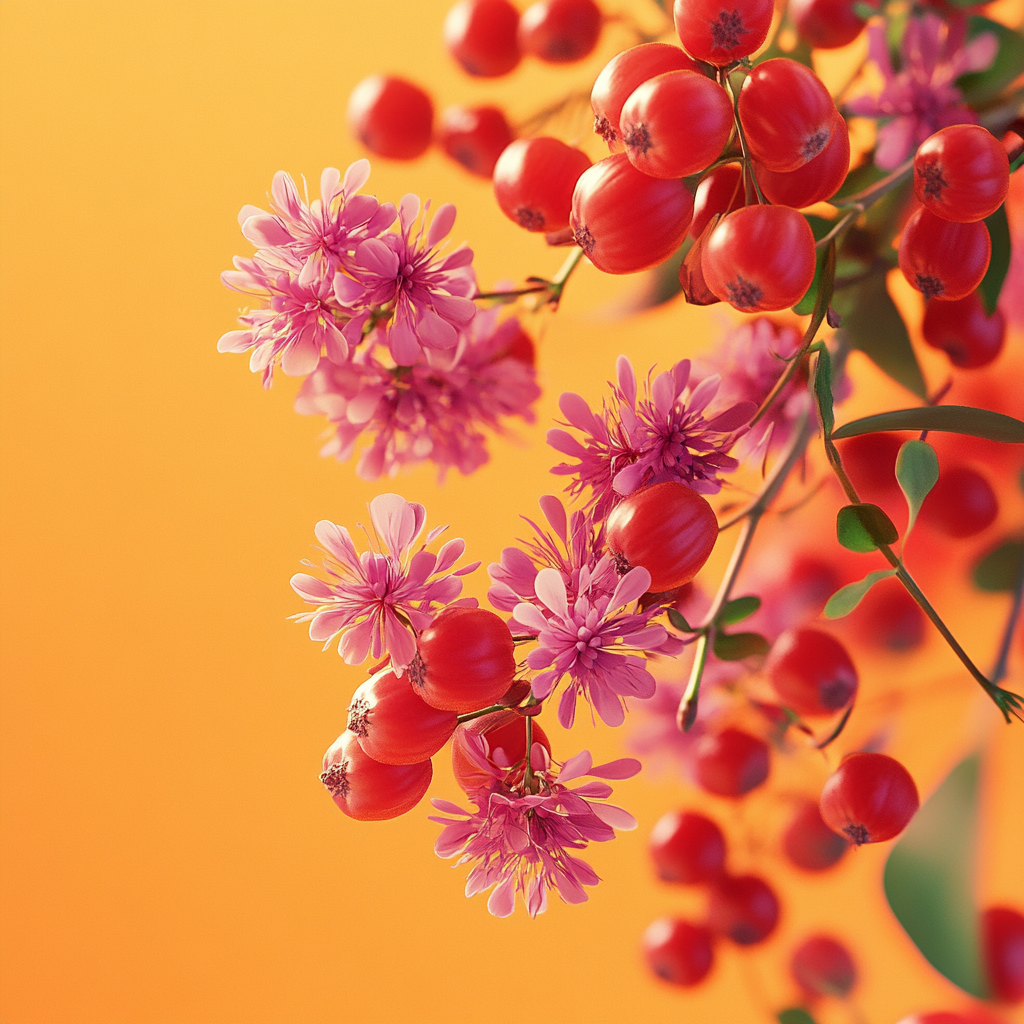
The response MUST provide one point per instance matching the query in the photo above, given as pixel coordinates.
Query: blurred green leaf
(1000, 568)
(930, 875)
(795, 1015)
(917, 470)
(738, 609)
(823, 391)
(820, 227)
(999, 264)
(864, 528)
(737, 646)
(982, 86)
(678, 620)
(951, 419)
(844, 600)
(860, 178)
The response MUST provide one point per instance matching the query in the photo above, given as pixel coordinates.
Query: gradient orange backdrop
(168, 854)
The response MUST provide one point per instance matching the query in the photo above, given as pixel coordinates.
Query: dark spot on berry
(605, 129)
(858, 834)
(532, 220)
(336, 779)
(726, 30)
(584, 239)
(815, 143)
(621, 563)
(833, 694)
(359, 716)
(638, 139)
(930, 287)
(743, 294)
(418, 672)
(934, 182)
(744, 934)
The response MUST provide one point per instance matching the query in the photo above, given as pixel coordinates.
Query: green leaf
(999, 264)
(819, 228)
(864, 527)
(738, 609)
(981, 86)
(845, 599)
(929, 879)
(680, 623)
(823, 391)
(794, 1015)
(917, 470)
(737, 646)
(950, 419)
(1001, 568)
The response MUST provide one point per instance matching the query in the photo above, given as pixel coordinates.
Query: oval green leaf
(1000, 569)
(679, 621)
(917, 470)
(844, 600)
(738, 609)
(737, 646)
(950, 419)
(999, 263)
(864, 528)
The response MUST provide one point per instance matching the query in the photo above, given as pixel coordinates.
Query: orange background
(168, 854)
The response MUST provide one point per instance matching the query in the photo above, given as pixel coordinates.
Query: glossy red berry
(391, 117)
(474, 137)
(962, 329)
(743, 908)
(505, 733)
(811, 672)
(943, 259)
(626, 221)
(720, 191)
(961, 504)
(626, 72)
(787, 114)
(481, 36)
(819, 179)
(809, 844)
(870, 462)
(367, 790)
(687, 847)
(826, 24)
(1002, 937)
(890, 618)
(661, 143)
(534, 181)
(869, 799)
(678, 952)
(667, 528)
(560, 31)
(823, 966)
(721, 31)
(464, 660)
(730, 763)
(961, 173)
(760, 258)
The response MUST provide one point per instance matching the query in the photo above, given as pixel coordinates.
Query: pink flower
(922, 96)
(377, 601)
(522, 829)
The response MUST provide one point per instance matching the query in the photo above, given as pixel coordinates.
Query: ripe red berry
(687, 847)
(534, 181)
(667, 528)
(819, 179)
(811, 672)
(870, 462)
(823, 966)
(961, 173)
(889, 618)
(474, 137)
(624, 73)
(391, 117)
(481, 36)
(678, 952)
(943, 259)
(719, 191)
(519, 347)
(721, 31)
(367, 790)
(730, 763)
(961, 504)
(826, 24)
(464, 660)
(744, 908)
(505, 733)
(787, 114)
(1002, 936)
(869, 799)
(661, 143)
(809, 844)
(964, 331)
(626, 221)
(560, 31)
(760, 258)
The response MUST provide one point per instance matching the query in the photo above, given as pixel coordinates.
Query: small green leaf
(950, 419)
(864, 527)
(917, 470)
(1001, 568)
(864, 11)
(820, 227)
(794, 1015)
(844, 600)
(738, 609)
(737, 646)
(680, 623)
(981, 86)
(823, 391)
(999, 264)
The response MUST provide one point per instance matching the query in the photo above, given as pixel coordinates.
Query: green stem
(470, 715)
(687, 713)
(748, 165)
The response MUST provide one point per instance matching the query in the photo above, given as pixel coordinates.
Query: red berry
(391, 117)
(961, 504)
(661, 143)
(721, 31)
(890, 618)
(943, 259)
(826, 24)
(823, 966)
(520, 347)
(811, 672)
(560, 31)
(809, 843)
(626, 221)
(474, 137)
(534, 181)
(787, 114)
(719, 191)
(481, 36)
(964, 331)
(367, 790)
(687, 847)
(946, 1016)
(730, 763)
(961, 173)
(870, 462)
(464, 660)
(743, 908)
(760, 258)
(667, 528)
(819, 179)
(1002, 936)
(678, 952)
(505, 732)
(624, 73)
(870, 798)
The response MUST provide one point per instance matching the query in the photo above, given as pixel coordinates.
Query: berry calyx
(809, 844)
(730, 763)
(961, 504)
(869, 799)
(678, 952)
(391, 117)
(481, 36)
(560, 31)
(943, 259)
(688, 848)
(964, 331)
(534, 181)
(961, 173)
(743, 908)
(721, 32)
(819, 179)
(1002, 937)
(823, 966)
(474, 137)
(811, 672)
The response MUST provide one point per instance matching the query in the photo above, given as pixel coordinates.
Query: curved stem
(999, 671)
